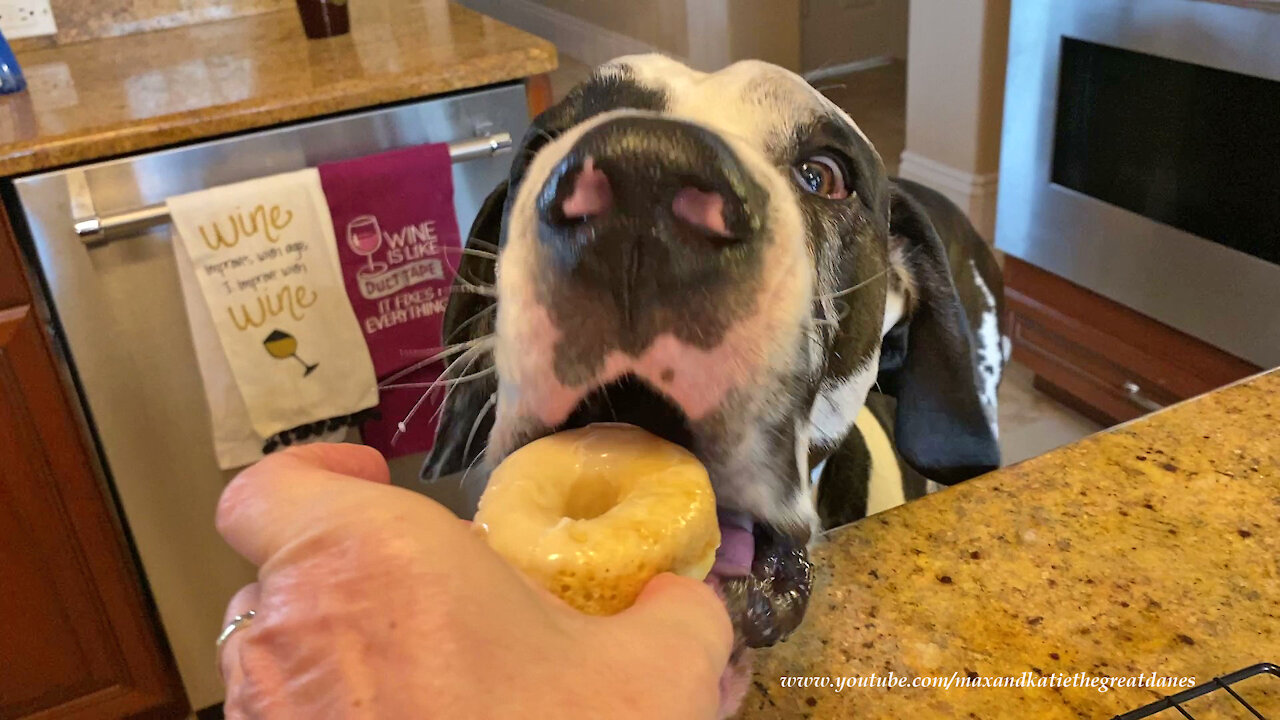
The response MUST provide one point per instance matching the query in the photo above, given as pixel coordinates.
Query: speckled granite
(80, 20)
(1154, 547)
(118, 95)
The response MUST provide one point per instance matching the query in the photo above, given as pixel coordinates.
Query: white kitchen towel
(235, 443)
(264, 257)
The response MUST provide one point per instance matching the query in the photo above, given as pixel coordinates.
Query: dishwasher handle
(98, 230)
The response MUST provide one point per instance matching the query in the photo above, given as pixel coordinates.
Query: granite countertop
(1152, 547)
(111, 96)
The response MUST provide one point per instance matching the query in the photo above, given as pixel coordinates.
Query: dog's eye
(821, 175)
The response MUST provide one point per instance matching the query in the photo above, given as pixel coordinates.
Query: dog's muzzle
(652, 202)
(651, 227)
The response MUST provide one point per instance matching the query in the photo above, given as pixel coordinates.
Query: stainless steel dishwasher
(117, 303)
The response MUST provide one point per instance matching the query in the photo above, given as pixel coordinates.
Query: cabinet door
(77, 638)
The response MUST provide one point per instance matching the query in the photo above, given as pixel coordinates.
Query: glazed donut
(592, 514)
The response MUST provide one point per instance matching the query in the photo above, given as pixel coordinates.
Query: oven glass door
(1140, 158)
(1185, 145)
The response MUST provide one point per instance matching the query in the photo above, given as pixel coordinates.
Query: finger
(295, 493)
(683, 607)
(349, 459)
(230, 669)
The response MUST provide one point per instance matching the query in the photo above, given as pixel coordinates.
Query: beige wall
(764, 30)
(836, 32)
(661, 23)
(955, 81)
(706, 33)
(995, 58)
(957, 50)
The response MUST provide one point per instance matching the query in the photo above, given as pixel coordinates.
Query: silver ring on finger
(236, 623)
(240, 621)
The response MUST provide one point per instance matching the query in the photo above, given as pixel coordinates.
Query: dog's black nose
(638, 178)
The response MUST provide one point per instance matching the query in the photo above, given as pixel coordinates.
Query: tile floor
(1031, 423)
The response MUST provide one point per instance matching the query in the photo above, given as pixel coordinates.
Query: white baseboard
(975, 194)
(571, 35)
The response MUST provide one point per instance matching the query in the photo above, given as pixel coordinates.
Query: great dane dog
(720, 259)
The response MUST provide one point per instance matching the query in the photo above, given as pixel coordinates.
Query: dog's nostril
(701, 209)
(591, 194)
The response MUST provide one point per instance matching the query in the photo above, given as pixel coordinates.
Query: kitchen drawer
(1106, 360)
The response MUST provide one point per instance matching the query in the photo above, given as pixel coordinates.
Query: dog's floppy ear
(467, 415)
(927, 361)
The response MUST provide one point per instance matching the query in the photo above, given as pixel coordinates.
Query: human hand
(375, 602)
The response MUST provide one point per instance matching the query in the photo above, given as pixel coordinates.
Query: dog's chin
(735, 680)
(763, 576)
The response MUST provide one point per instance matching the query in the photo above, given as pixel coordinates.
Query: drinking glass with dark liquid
(324, 18)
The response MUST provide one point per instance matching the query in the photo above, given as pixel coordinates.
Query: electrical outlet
(26, 18)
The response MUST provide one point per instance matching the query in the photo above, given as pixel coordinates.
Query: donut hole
(589, 498)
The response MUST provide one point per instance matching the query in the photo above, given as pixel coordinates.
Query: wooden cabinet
(1102, 358)
(77, 636)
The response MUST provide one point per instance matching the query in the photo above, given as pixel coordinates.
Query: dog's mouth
(763, 575)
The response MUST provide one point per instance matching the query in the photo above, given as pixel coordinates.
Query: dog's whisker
(444, 401)
(467, 471)
(476, 289)
(466, 323)
(873, 278)
(403, 426)
(473, 240)
(475, 426)
(457, 269)
(444, 352)
(476, 283)
(469, 358)
(471, 251)
(613, 413)
(450, 382)
(856, 287)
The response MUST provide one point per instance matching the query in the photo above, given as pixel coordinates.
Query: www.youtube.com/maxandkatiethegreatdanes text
(892, 680)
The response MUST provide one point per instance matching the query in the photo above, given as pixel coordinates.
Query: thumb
(357, 461)
(683, 607)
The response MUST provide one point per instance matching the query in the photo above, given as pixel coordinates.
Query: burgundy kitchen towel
(398, 244)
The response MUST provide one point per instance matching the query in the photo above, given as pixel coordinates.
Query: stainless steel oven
(1141, 159)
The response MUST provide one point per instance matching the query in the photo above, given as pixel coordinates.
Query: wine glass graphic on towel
(281, 345)
(365, 237)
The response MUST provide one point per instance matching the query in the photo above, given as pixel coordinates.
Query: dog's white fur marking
(718, 100)
(808, 500)
(884, 485)
(737, 487)
(990, 349)
(895, 306)
(898, 301)
(837, 404)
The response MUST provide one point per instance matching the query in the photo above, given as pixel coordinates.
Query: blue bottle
(11, 79)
